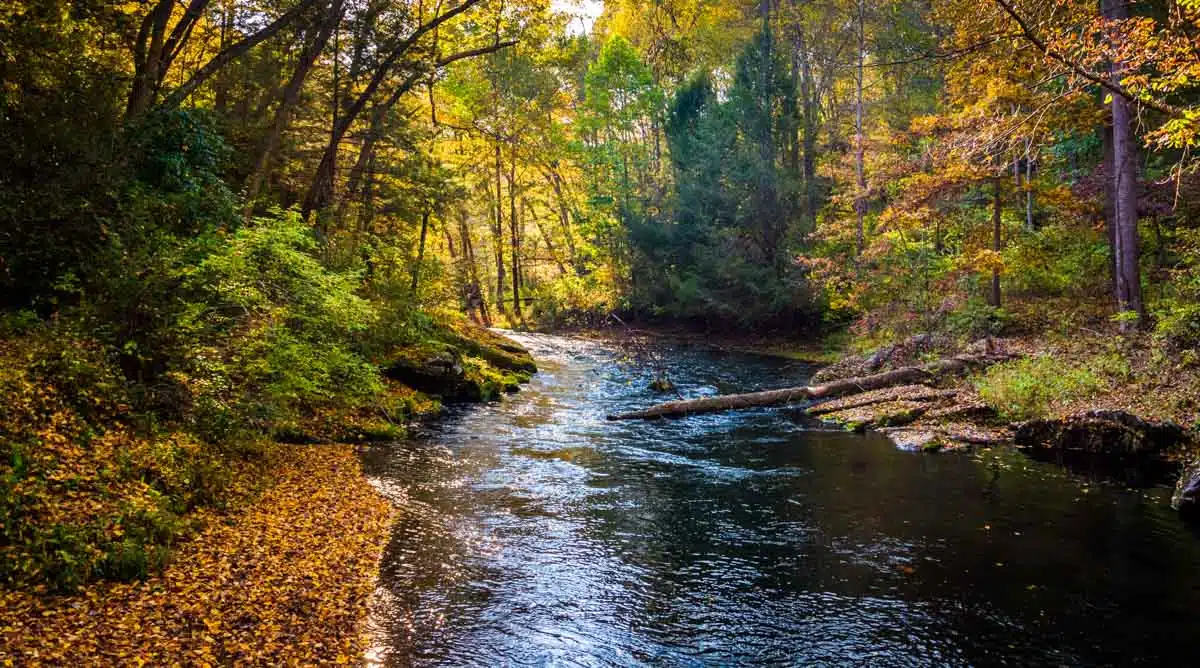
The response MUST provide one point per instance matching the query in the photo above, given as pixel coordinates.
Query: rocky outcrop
(433, 370)
(471, 365)
(492, 348)
(1110, 432)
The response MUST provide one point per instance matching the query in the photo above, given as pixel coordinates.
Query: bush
(1024, 389)
(288, 329)
(1056, 260)
(976, 319)
(573, 301)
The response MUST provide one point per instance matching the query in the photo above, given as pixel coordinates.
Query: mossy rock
(432, 368)
(500, 352)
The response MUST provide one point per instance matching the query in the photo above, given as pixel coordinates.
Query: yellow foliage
(286, 582)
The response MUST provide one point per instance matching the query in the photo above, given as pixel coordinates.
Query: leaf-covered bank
(284, 581)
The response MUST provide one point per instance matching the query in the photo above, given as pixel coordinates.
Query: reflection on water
(536, 533)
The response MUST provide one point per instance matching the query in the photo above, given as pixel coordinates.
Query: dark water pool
(537, 533)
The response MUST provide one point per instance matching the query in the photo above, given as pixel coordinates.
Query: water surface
(536, 533)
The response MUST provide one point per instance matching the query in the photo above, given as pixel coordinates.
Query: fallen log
(789, 395)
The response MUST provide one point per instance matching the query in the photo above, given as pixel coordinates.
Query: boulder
(1101, 431)
(432, 371)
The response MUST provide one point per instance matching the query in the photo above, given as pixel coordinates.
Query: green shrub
(976, 319)
(1024, 389)
(1055, 260)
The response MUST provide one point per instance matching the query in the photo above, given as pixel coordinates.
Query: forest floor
(283, 581)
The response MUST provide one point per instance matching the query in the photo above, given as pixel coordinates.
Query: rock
(1101, 431)
(492, 348)
(438, 372)
(662, 385)
(1187, 491)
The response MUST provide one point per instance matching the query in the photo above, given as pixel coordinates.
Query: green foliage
(976, 318)
(1055, 260)
(1177, 313)
(572, 301)
(288, 326)
(1025, 389)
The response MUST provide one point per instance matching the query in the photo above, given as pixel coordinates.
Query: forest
(231, 224)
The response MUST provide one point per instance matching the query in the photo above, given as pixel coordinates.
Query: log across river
(790, 395)
(536, 532)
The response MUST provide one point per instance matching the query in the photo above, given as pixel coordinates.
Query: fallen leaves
(285, 581)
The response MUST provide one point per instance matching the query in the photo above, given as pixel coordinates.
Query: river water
(536, 533)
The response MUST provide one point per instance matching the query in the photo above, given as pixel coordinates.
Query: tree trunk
(498, 233)
(1029, 193)
(416, 274)
(291, 95)
(860, 195)
(320, 190)
(1110, 204)
(232, 52)
(994, 297)
(564, 215)
(476, 291)
(554, 252)
(146, 58)
(903, 376)
(1127, 250)
(809, 115)
(515, 233)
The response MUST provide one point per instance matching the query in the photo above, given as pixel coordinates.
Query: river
(536, 533)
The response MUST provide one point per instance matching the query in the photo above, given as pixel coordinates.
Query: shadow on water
(536, 533)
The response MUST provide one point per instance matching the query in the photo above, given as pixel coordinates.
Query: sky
(584, 12)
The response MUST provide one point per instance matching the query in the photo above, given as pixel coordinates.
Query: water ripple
(533, 533)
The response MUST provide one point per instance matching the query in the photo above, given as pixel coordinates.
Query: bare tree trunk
(514, 229)
(498, 233)
(221, 84)
(860, 195)
(416, 274)
(994, 297)
(554, 253)
(320, 191)
(1029, 193)
(809, 106)
(564, 215)
(147, 57)
(1129, 284)
(232, 52)
(790, 395)
(476, 292)
(1110, 203)
(291, 95)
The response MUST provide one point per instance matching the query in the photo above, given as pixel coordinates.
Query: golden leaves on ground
(284, 582)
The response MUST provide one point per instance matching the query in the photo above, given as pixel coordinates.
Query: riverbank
(1092, 390)
(156, 533)
(283, 581)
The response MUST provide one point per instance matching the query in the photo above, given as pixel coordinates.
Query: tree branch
(235, 50)
(1111, 86)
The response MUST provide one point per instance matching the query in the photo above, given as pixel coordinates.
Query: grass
(1025, 388)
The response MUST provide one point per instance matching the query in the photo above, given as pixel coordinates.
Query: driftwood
(790, 395)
